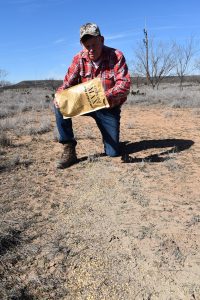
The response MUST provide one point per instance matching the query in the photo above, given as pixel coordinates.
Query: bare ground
(106, 228)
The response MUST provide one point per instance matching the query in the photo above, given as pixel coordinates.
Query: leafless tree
(157, 64)
(131, 67)
(183, 56)
(3, 75)
(197, 64)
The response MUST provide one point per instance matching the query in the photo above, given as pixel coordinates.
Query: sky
(40, 37)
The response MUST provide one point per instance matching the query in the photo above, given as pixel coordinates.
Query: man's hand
(55, 102)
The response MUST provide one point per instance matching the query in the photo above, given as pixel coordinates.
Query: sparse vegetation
(4, 139)
(44, 126)
(14, 101)
(106, 228)
(168, 95)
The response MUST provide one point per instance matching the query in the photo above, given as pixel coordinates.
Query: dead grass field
(106, 228)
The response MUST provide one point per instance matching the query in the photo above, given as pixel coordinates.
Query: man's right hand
(55, 103)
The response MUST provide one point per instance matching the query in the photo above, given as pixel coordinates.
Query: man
(95, 60)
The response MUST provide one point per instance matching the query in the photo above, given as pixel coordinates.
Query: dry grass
(168, 94)
(14, 101)
(106, 228)
(4, 139)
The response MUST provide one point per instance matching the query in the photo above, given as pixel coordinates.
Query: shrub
(5, 141)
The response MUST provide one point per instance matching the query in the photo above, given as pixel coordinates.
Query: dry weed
(5, 141)
(168, 94)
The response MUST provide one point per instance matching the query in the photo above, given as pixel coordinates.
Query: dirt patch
(121, 228)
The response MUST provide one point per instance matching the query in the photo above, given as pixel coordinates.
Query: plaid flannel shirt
(112, 70)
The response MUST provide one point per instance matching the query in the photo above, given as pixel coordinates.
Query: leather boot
(68, 157)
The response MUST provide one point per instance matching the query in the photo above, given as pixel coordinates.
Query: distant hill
(50, 84)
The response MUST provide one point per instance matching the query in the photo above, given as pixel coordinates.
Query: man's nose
(91, 49)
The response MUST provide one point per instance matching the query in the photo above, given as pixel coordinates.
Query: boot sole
(66, 165)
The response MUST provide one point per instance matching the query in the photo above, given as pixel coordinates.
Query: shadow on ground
(175, 145)
(9, 241)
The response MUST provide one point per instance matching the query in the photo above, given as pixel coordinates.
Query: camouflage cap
(89, 29)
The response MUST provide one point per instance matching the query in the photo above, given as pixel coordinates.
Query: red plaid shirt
(112, 70)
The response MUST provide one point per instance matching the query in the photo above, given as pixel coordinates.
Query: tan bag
(82, 98)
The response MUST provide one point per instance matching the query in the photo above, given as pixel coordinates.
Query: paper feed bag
(82, 98)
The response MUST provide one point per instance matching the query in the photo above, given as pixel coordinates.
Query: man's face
(93, 46)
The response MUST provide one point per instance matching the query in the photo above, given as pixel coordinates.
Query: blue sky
(40, 37)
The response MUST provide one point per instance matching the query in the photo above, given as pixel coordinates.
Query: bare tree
(197, 64)
(183, 56)
(3, 75)
(154, 61)
(131, 67)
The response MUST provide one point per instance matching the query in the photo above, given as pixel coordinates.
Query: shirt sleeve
(122, 81)
(72, 76)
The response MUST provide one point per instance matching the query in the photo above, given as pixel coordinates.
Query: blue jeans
(108, 122)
